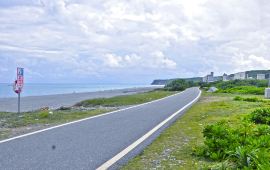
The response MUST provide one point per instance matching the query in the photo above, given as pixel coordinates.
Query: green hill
(251, 73)
(166, 81)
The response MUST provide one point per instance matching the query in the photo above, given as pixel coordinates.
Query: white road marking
(120, 155)
(77, 121)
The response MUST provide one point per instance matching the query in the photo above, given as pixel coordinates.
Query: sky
(131, 41)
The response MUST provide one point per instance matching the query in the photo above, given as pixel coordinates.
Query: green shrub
(179, 85)
(239, 86)
(242, 157)
(244, 90)
(238, 98)
(200, 151)
(236, 83)
(43, 115)
(261, 116)
(248, 99)
(219, 139)
(241, 145)
(252, 99)
(261, 130)
(261, 159)
(220, 166)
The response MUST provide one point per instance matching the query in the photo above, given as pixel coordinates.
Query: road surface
(89, 143)
(33, 103)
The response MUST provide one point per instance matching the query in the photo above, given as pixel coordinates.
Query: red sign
(20, 77)
(18, 84)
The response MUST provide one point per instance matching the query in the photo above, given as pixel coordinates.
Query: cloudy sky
(131, 41)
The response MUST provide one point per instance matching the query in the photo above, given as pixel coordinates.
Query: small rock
(212, 89)
(64, 108)
(44, 108)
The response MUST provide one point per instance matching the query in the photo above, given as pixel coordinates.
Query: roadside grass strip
(174, 148)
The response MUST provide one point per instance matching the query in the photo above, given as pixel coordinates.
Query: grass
(244, 90)
(174, 147)
(126, 100)
(12, 124)
(249, 99)
(13, 120)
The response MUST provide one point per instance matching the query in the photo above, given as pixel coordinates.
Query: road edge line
(121, 154)
(81, 120)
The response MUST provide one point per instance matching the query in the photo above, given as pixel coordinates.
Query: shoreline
(32, 103)
(80, 92)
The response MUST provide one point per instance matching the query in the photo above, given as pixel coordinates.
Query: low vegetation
(242, 144)
(248, 99)
(237, 83)
(180, 85)
(255, 87)
(243, 90)
(221, 131)
(126, 100)
(261, 116)
(12, 124)
(13, 120)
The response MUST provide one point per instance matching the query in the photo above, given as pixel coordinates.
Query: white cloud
(156, 60)
(158, 38)
(161, 61)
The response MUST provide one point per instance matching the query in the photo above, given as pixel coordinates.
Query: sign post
(18, 85)
(19, 103)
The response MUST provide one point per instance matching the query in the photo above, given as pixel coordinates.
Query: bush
(238, 98)
(242, 156)
(252, 99)
(248, 99)
(179, 85)
(239, 86)
(262, 130)
(243, 146)
(219, 139)
(237, 83)
(43, 115)
(244, 90)
(261, 116)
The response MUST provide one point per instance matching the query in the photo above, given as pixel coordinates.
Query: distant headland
(252, 74)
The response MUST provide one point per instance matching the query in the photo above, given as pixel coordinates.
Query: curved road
(103, 141)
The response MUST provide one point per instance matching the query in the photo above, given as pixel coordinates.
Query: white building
(209, 78)
(225, 77)
(260, 76)
(240, 76)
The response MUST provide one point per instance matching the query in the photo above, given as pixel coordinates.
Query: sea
(6, 90)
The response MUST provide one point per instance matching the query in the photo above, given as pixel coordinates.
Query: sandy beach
(56, 101)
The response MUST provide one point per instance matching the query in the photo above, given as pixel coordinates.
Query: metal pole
(19, 103)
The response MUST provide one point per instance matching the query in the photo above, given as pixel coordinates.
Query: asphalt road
(32, 103)
(90, 143)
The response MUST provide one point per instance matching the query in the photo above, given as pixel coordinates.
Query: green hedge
(244, 90)
(235, 83)
(242, 146)
(180, 85)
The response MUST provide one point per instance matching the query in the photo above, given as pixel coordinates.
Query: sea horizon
(41, 89)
